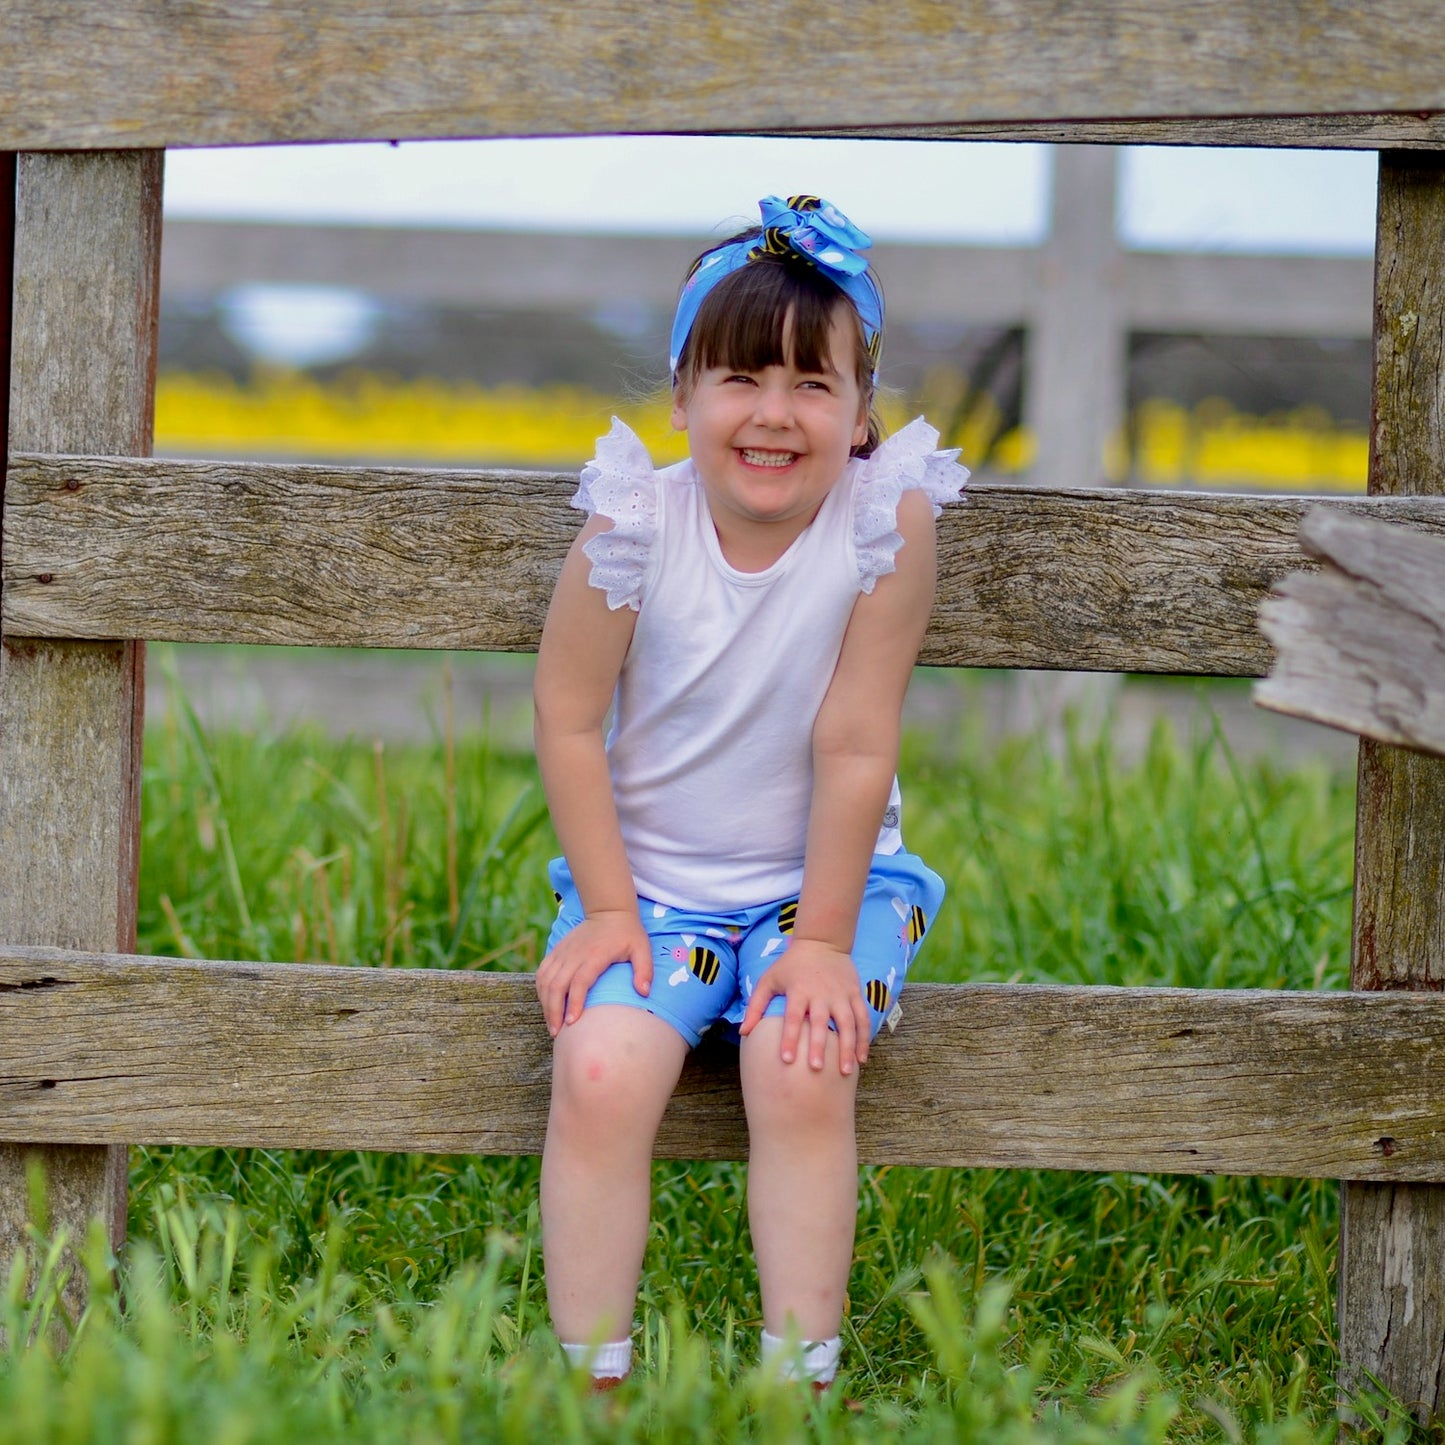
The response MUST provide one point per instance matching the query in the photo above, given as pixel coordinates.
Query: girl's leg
(802, 1183)
(613, 1072)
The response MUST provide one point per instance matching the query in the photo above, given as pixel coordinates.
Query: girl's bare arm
(855, 754)
(583, 646)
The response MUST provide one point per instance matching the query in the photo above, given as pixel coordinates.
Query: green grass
(281, 1296)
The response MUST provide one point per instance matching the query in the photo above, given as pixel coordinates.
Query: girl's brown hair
(742, 321)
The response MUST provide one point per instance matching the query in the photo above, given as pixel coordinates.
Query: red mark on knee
(594, 1072)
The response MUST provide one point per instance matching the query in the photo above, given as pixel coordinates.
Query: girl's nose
(774, 406)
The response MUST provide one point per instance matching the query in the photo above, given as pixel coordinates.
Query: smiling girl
(732, 847)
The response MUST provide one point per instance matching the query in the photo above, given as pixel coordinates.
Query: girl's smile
(755, 458)
(770, 445)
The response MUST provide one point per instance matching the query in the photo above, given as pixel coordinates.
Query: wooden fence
(99, 1048)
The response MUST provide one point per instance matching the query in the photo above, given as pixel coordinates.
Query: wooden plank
(1418, 130)
(85, 303)
(1392, 1287)
(284, 1055)
(86, 74)
(1107, 580)
(7, 286)
(1361, 644)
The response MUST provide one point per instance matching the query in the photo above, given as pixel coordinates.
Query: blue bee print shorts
(706, 965)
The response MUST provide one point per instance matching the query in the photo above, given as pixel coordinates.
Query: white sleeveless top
(710, 748)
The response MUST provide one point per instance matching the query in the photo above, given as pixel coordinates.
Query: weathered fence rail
(252, 552)
(104, 1049)
(234, 73)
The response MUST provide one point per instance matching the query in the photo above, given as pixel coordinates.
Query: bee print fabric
(706, 964)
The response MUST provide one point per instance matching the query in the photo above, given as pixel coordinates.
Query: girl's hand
(583, 956)
(821, 985)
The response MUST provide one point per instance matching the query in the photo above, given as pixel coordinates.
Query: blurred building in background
(1075, 361)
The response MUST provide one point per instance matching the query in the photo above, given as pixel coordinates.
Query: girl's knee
(794, 1098)
(609, 1082)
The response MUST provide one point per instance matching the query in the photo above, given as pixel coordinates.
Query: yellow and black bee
(917, 924)
(774, 240)
(787, 916)
(876, 992)
(704, 964)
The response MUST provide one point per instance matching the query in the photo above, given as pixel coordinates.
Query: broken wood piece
(1361, 643)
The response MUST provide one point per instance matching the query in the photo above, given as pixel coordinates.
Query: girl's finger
(818, 1038)
(762, 996)
(847, 1040)
(579, 982)
(863, 1023)
(793, 1019)
(551, 1007)
(642, 969)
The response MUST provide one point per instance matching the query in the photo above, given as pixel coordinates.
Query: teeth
(768, 459)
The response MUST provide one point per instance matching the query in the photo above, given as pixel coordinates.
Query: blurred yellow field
(365, 416)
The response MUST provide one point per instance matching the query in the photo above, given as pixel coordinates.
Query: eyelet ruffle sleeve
(906, 462)
(620, 484)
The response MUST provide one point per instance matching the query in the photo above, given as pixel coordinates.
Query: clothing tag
(894, 1014)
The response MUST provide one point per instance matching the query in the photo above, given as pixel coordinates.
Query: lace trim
(620, 483)
(906, 462)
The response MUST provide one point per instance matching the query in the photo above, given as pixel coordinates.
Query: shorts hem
(643, 1004)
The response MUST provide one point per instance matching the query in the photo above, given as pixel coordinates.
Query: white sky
(938, 191)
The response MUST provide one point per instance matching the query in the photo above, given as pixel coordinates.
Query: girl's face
(769, 445)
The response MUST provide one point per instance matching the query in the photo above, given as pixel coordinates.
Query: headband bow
(804, 226)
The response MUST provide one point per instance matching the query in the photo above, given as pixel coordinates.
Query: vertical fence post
(1077, 348)
(1077, 359)
(1392, 1241)
(7, 286)
(87, 260)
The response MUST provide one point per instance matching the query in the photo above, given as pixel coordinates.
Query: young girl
(732, 848)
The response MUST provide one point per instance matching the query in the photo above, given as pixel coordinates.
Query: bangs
(742, 320)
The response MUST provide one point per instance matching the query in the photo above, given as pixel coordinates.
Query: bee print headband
(804, 226)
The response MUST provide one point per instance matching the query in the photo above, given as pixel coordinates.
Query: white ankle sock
(606, 1362)
(819, 1358)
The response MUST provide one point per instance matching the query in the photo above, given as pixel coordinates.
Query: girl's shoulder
(621, 484)
(908, 461)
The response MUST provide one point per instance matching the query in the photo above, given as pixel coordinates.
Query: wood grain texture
(1361, 644)
(282, 1055)
(1422, 130)
(7, 278)
(87, 74)
(1400, 855)
(1105, 580)
(1392, 1289)
(83, 376)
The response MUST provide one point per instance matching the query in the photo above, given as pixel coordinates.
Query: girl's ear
(860, 431)
(679, 409)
